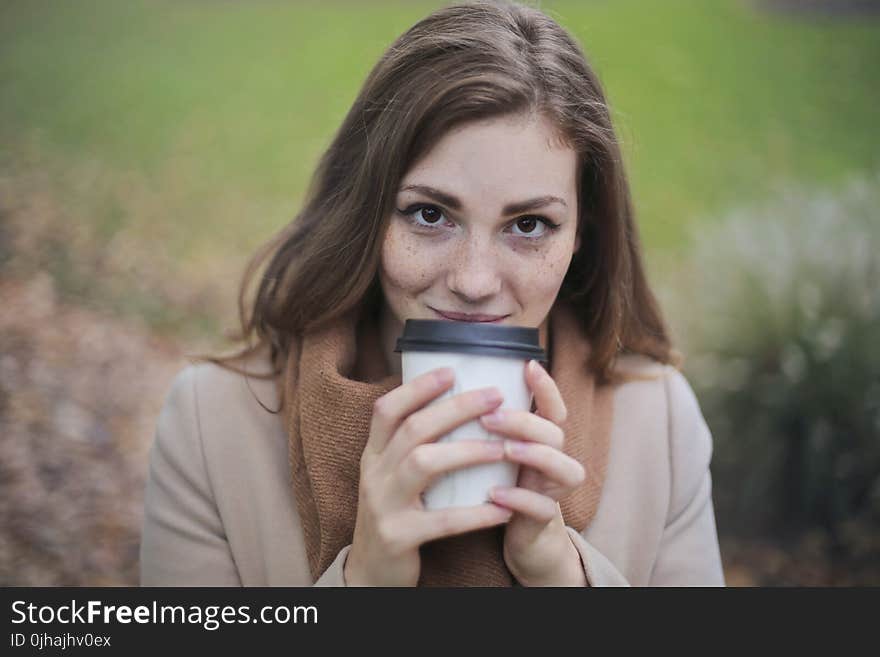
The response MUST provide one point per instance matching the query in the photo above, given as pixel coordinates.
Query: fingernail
(444, 376)
(537, 370)
(495, 417)
(492, 396)
(508, 514)
(514, 447)
(495, 448)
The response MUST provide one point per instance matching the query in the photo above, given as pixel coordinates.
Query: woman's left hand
(537, 547)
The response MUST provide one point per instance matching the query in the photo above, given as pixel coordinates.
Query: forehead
(501, 159)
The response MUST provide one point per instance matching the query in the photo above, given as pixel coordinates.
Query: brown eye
(424, 216)
(534, 227)
(527, 224)
(431, 215)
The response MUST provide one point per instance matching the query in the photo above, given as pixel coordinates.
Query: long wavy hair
(461, 63)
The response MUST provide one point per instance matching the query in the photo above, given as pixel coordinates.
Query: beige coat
(219, 505)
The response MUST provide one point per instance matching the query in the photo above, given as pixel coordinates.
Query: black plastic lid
(471, 338)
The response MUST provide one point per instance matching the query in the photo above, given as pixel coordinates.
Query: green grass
(721, 104)
(195, 125)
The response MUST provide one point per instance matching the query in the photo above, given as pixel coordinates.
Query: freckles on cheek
(554, 263)
(546, 272)
(406, 264)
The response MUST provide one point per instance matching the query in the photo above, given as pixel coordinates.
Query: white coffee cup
(481, 355)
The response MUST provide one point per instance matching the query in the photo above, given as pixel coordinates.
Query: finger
(548, 399)
(427, 462)
(557, 466)
(527, 502)
(524, 426)
(436, 420)
(430, 525)
(392, 408)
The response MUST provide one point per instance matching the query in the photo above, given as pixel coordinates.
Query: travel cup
(482, 355)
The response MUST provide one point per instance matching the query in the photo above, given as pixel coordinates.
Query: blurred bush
(782, 325)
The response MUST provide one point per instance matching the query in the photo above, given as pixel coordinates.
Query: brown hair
(462, 63)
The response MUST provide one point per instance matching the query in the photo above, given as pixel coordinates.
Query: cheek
(551, 265)
(405, 265)
(545, 271)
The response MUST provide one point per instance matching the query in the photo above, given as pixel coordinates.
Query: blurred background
(148, 148)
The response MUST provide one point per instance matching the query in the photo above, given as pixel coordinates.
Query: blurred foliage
(784, 324)
(79, 396)
(220, 109)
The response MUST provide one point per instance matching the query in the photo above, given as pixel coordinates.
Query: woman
(476, 178)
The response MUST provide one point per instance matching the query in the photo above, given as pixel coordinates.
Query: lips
(464, 317)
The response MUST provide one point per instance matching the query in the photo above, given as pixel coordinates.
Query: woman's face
(485, 224)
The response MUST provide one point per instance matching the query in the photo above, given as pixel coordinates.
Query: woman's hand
(400, 460)
(537, 548)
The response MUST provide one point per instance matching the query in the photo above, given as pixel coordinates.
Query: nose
(474, 275)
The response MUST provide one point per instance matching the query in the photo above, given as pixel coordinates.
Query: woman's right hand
(400, 460)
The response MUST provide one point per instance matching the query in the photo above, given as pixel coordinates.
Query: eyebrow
(511, 208)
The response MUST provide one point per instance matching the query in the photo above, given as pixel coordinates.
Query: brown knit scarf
(333, 377)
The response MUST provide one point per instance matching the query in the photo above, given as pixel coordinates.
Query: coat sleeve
(334, 575)
(598, 570)
(689, 554)
(183, 541)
